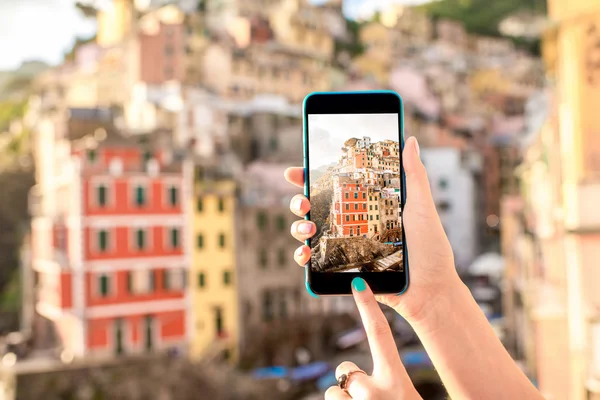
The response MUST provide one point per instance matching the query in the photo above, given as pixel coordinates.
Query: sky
(46, 29)
(39, 30)
(328, 132)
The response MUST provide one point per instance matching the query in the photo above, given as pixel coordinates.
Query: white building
(453, 190)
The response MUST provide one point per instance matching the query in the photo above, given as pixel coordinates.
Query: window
(129, 282)
(356, 195)
(173, 279)
(261, 220)
(347, 218)
(370, 198)
(173, 196)
(101, 195)
(364, 206)
(347, 206)
(140, 195)
(364, 195)
(226, 278)
(221, 240)
(200, 205)
(140, 239)
(91, 156)
(219, 328)
(376, 207)
(355, 206)
(370, 207)
(351, 232)
(281, 257)
(200, 241)
(347, 195)
(377, 217)
(443, 183)
(274, 143)
(143, 281)
(281, 223)
(103, 240)
(103, 285)
(221, 204)
(147, 156)
(174, 238)
(267, 308)
(262, 255)
(371, 217)
(201, 280)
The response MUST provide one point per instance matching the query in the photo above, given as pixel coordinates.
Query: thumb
(424, 232)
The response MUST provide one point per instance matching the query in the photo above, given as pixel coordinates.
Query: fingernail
(417, 148)
(359, 284)
(297, 205)
(304, 227)
(299, 251)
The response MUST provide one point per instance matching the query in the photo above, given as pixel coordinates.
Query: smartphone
(355, 181)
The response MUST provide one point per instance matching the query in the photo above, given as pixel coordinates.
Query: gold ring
(345, 378)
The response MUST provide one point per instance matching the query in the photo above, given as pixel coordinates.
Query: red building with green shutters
(109, 241)
(349, 206)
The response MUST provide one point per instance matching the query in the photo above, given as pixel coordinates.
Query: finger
(386, 361)
(335, 393)
(359, 385)
(302, 255)
(345, 368)
(295, 176)
(424, 232)
(302, 230)
(300, 205)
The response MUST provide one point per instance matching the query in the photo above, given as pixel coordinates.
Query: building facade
(453, 190)
(213, 276)
(108, 241)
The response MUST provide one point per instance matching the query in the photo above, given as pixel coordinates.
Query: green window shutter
(263, 260)
(166, 282)
(104, 285)
(221, 240)
(103, 240)
(140, 237)
(175, 238)
(200, 205)
(129, 282)
(281, 258)
(91, 156)
(173, 196)
(201, 279)
(200, 240)
(261, 220)
(226, 278)
(102, 195)
(281, 223)
(221, 205)
(140, 196)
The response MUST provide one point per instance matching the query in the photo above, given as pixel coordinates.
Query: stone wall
(350, 250)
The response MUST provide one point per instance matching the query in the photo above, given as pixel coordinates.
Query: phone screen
(355, 192)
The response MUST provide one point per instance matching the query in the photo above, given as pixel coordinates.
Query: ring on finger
(344, 379)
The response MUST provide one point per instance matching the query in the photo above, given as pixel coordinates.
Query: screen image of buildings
(361, 230)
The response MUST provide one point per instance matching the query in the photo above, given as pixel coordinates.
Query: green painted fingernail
(359, 284)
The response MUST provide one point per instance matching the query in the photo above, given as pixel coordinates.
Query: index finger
(381, 342)
(295, 176)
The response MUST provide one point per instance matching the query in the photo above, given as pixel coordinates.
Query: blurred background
(144, 224)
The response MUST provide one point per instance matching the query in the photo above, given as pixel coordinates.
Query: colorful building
(349, 208)
(213, 278)
(108, 239)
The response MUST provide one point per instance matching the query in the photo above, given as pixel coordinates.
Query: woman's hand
(430, 259)
(389, 379)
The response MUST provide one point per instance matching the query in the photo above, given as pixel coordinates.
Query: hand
(389, 379)
(431, 262)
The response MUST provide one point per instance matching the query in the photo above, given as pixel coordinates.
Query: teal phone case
(306, 185)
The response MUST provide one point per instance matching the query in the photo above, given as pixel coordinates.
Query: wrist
(442, 303)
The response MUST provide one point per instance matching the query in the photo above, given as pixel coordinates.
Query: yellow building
(555, 266)
(115, 22)
(213, 281)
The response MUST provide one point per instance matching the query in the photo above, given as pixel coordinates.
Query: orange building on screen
(349, 208)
